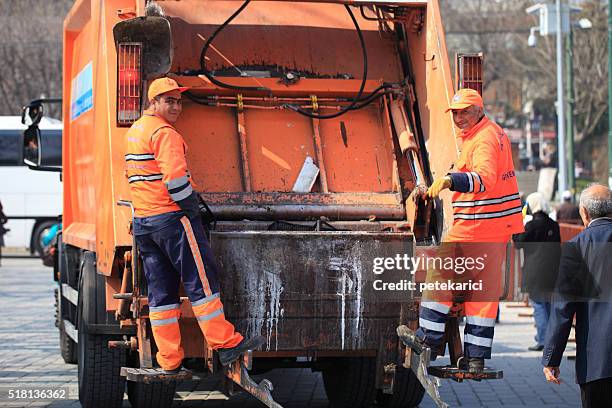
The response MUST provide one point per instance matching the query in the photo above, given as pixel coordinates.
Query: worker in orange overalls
(170, 235)
(487, 211)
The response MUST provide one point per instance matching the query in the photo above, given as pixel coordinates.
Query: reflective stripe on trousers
(432, 321)
(197, 256)
(219, 333)
(479, 327)
(165, 327)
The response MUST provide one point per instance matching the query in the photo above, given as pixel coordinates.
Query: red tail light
(129, 86)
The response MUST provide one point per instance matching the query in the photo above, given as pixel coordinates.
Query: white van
(31, 199)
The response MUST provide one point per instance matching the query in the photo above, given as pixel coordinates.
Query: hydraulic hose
(358, 102)
(207, 73)
(371, 98)
(363, 81)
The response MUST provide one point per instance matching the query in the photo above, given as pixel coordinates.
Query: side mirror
(42, 151)
(32, 114)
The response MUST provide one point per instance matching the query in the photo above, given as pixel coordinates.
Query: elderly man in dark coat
(584, 291)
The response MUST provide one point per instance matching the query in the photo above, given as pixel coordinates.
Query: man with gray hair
(583, 292)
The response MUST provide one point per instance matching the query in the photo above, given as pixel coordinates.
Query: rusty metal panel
(308, 290)
(278, 143)
(213, 147)
(358, 152)
(356, 148)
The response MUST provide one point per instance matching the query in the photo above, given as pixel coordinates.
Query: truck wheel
(350, 382)
(68, 347)
(155, 395)
(407, 391)
(40, 230)
(100, 382)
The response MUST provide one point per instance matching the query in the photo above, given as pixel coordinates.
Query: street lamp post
(585, 24)
(571, 177)
(555, 21)
(560, 105)
(561, 25)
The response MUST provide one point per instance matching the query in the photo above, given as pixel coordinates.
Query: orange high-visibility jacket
(156, 166)
(486, 201)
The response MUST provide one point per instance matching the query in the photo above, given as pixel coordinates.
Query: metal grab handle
(506, 272)
(135, 269)
(126, 203)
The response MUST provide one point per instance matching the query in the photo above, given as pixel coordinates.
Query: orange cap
(464, 98)
(163, 85)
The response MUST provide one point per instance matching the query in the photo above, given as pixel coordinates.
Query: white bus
(34, 198)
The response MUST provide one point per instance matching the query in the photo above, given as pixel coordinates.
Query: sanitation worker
(170, 235)
(487, 211)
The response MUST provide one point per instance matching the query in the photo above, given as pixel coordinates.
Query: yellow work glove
(438, 185)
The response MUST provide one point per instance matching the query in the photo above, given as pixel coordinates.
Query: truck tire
(350, 382)
(155, 395)
(100, 382)
(42, 227)
(407, 391)
(68, 347)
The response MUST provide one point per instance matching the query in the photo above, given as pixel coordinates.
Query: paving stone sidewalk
(29, 356)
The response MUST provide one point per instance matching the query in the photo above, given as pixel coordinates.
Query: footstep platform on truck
(419, 360)
(237, 372)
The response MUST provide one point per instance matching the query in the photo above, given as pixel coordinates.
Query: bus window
(51, 145)
(10, 148)
(31, 199)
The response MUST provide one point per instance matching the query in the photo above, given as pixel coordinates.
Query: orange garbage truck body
(296, 251)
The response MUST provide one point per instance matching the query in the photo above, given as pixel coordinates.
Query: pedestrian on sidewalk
(583, 291)
(568, 212)
(541, 248)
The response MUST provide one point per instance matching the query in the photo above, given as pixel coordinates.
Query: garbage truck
(308, 125)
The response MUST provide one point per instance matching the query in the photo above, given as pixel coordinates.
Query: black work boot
(228, 355)
(475, 365)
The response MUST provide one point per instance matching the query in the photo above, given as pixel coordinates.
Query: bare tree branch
(500, 29)
(31, 51)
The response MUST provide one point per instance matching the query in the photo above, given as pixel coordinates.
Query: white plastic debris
(307, 177)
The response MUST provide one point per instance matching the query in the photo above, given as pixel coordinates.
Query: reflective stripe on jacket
(486, 200)
(156, 167)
